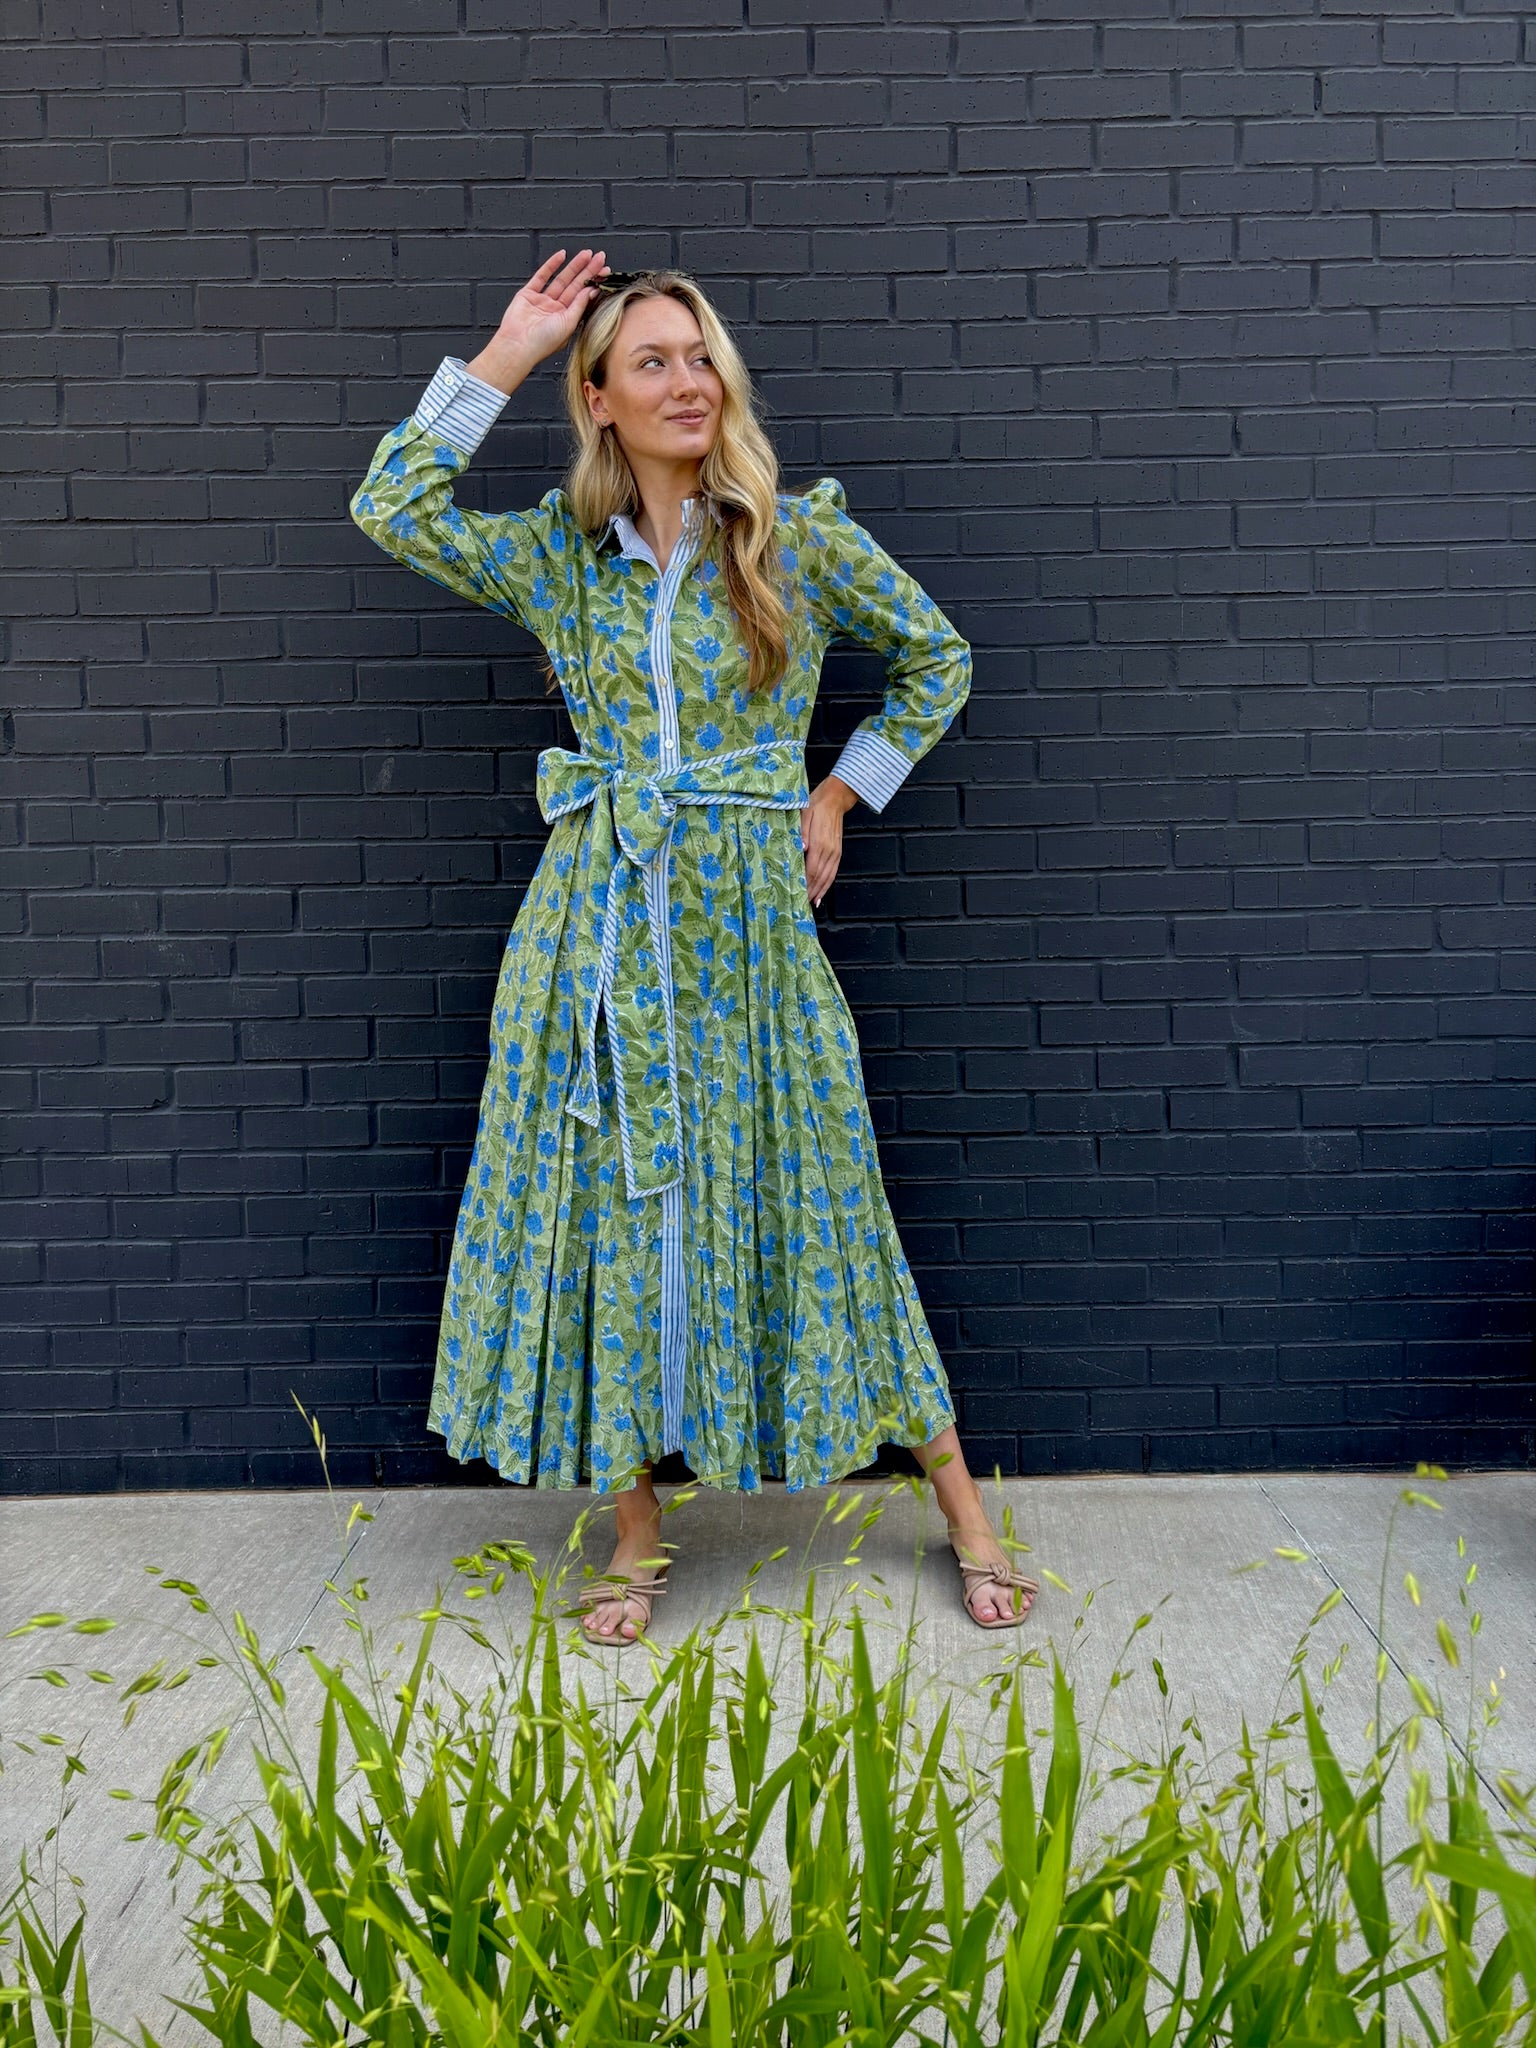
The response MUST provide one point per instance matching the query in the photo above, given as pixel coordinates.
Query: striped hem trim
(458, 406)
(873, 767)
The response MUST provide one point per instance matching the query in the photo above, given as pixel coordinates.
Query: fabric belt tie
(620, 961)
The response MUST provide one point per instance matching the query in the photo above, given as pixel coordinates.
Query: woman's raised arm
(405, 503)
(541, 318)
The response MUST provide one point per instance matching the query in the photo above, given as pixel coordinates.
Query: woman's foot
(990, 1600)
(639, 1538)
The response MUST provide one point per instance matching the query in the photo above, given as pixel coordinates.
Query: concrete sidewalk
(1174, 1547)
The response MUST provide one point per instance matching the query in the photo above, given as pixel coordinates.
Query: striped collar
(633, 547)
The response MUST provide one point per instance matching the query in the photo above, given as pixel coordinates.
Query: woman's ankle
(638, 1514)
(967, 1511)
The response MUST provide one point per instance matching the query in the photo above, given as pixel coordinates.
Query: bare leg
(960, 1498)
(637, 1519)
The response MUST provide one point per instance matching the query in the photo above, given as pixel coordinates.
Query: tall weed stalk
(734, 1856)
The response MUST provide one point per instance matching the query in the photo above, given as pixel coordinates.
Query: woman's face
(662, 394)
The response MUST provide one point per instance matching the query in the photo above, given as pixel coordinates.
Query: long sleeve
(510, 562)
(855, 589)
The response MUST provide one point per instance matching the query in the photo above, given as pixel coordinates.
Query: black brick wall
(1182, 347)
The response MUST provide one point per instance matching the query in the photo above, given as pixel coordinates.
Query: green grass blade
(1345, 1819)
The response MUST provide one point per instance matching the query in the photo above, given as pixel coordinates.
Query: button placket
(674, 1294)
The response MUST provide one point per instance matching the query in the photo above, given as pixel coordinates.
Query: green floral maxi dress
(674, 1234)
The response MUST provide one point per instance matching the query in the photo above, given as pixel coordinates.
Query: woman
(674, 1234)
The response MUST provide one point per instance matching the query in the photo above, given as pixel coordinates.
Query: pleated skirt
(805, 1343)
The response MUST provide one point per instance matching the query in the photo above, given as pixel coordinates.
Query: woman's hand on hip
(821, 834)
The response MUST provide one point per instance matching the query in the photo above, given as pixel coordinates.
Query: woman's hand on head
(544, 314)
(821, 834)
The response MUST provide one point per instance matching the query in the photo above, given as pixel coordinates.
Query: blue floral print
(674, 1233)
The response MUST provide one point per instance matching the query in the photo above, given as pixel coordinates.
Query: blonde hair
(740, 472)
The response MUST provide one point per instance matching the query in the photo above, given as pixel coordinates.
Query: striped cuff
(873, 767)
(459, 406)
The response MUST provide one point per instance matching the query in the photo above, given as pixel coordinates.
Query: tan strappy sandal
(615, 1586)
(974, 1576)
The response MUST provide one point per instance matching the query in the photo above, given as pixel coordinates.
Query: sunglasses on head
(616, 280)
